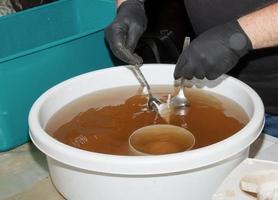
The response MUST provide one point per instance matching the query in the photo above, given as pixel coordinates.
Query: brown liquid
(103, 121)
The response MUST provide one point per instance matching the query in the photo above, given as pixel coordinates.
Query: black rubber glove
(213, 53)
(126, 29)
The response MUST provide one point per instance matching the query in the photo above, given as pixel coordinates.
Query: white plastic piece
(268, 191)
(264, 183)
(164, 110)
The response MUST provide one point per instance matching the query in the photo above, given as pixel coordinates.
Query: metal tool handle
(186, 43)
(141, 78)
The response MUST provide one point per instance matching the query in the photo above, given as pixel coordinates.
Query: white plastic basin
(194, 175)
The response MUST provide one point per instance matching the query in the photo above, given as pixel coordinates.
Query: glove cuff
(239, 42)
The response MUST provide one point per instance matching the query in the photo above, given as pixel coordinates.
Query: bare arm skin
(119, 2)
(262, 26)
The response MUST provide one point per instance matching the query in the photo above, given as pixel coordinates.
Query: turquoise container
(43, 46)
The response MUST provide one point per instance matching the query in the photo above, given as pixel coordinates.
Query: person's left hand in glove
(126, 29)
(213, 53)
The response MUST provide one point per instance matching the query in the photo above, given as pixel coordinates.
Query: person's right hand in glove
(214, 52)
(126, 29)
(217, 50)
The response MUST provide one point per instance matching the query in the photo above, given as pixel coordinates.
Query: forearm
(262, 26)
(119, 2)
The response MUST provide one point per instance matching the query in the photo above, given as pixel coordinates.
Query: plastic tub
(195, 174)
(41, 47)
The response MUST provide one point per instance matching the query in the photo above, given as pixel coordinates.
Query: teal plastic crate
(43, 46)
